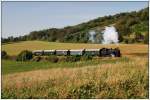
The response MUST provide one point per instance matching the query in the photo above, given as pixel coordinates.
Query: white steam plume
(110, 35)
(91, 37)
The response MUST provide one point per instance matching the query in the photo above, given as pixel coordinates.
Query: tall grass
(125, 79)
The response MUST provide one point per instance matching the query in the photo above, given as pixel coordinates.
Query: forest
(131, 26)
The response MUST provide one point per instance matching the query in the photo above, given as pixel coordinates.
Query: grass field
(14, 67)
(125, 77)
(15, 48)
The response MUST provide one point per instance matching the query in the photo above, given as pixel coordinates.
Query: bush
(36, 58)
(4, 55)
(13, 58)
(73, 58)
(25, 56)
(86, 57)
(62, 59)
(53, 59)
(126, 41)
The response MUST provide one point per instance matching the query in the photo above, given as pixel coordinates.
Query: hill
(131, 26)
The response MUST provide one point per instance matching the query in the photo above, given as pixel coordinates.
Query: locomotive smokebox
(117, 52)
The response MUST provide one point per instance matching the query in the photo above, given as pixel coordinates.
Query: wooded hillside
(131, 26)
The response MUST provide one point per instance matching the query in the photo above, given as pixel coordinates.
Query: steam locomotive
(103, 52)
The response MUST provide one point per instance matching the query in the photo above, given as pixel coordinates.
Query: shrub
(53, 58)
(36, 58)
(86, 57)
(25, 56)
(4, 55)
(62, 59)
(73, 58)
(14, 58)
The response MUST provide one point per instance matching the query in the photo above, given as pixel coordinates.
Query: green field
(14, 67)
(124, 77)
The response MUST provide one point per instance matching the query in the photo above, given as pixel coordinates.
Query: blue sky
(20, 18)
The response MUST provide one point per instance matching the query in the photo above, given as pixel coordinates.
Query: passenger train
(103, 52)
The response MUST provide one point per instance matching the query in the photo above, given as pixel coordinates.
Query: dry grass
(124, 79)
(15, 48)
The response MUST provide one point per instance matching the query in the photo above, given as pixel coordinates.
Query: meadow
(14, 66)
(15, 48)
(125, 77)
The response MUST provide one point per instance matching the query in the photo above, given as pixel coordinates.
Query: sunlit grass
(15, 48)
(124, 77)
(127, 79)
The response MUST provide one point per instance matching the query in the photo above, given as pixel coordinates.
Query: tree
(126, 24)
(24, 55)
(4, 54)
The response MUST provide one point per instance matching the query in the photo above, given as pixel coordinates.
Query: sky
(20, 18)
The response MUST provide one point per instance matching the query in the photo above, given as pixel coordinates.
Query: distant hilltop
(132, 27)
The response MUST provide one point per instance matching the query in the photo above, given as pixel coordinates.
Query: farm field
(15, 48)
(125, 77)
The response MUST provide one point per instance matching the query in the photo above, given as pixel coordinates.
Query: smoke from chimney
(92, 36)
(110, 35)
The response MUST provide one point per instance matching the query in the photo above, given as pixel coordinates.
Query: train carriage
(79, 52)
(92, 52)
(49, 52)
(62, 52)
(38, 52)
